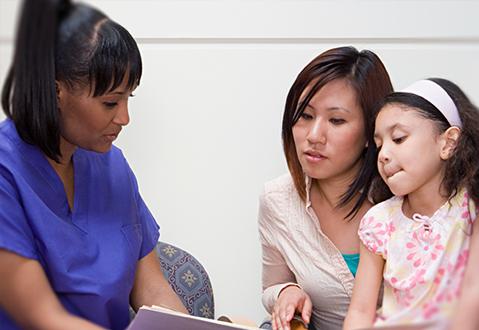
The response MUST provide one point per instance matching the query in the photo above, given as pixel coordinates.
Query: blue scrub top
(90, 253)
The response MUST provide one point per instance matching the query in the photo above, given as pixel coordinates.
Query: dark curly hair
(462, 168)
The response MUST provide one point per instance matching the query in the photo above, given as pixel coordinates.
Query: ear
(449, 141)
(60, 91)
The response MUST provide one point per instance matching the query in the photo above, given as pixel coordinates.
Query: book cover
(159, 318)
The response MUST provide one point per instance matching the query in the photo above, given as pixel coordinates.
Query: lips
(112, 136)
(314, 153)
(314, 156)
(390, 172)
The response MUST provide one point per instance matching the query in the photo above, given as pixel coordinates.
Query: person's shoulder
(282, 185)
(9, 143)
(463, 206)
(275, 203)
(386, 207)
(6, 132)
(278, 194)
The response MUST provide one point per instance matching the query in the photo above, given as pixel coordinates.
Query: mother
(308, 218)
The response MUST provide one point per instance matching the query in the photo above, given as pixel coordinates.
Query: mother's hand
(291, 299)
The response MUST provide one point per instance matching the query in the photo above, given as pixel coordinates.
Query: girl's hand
(291, 299)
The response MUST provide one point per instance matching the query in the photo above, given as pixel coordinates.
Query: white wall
(205, 122)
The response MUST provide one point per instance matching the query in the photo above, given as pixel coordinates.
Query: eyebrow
(121, 93)
(330, 108)
(392, 128)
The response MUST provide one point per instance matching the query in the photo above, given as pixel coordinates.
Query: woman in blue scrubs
(76, 239)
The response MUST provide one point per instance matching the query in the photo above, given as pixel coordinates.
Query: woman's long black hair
(58, 40)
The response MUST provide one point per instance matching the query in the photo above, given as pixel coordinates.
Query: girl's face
(409, 146)
(92, 123)
(329, 137)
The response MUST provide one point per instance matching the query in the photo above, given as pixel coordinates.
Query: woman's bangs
(115, 57)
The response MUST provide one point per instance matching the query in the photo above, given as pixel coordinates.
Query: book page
(159, 318)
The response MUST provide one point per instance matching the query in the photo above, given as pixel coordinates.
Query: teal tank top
(352, 260)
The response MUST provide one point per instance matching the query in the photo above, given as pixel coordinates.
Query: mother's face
(329, 136)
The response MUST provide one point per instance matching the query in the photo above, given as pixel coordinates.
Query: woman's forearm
(65, 321)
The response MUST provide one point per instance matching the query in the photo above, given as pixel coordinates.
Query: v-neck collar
(35, 157)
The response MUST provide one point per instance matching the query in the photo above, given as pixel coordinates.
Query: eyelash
(334, 121)
(111, 105)
(306, 116)
(337, 121)
(399, 140)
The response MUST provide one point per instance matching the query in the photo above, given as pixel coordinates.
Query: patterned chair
(188, 278)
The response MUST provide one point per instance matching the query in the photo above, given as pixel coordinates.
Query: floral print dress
(425, 257)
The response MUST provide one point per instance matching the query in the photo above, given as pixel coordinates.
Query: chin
(398, 192)
(317, 175)
(104, 150)
(100, 150)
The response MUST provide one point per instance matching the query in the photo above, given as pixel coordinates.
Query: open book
(159, 318)
(156, 317)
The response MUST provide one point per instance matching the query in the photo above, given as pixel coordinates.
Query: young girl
(418, 241)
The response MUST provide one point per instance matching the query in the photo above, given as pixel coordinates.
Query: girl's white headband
(435, 94)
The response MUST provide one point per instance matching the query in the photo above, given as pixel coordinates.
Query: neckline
(34, 156)
(438, 213)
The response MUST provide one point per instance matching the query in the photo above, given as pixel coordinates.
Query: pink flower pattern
(423, 248)
(425, 264)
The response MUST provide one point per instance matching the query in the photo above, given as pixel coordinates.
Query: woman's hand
(291, 299)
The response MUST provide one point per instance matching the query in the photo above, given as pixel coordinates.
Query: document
(159, 318)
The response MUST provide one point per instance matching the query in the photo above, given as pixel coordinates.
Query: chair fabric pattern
(188, 278)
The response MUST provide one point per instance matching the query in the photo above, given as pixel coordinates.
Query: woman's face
(329, 136)
(92, 123)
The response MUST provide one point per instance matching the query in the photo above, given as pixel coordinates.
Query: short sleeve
(150, 229)
(151, 233)
(16, 235)
(473, 209)
(469, 212)
(375, 229)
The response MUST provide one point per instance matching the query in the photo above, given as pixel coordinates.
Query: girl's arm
(151, 287)
(466, 316)
(367, 284)
(26, 295)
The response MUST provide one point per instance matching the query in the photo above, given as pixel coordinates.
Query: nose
(122, 117)
(383, 155)
(317, 132)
